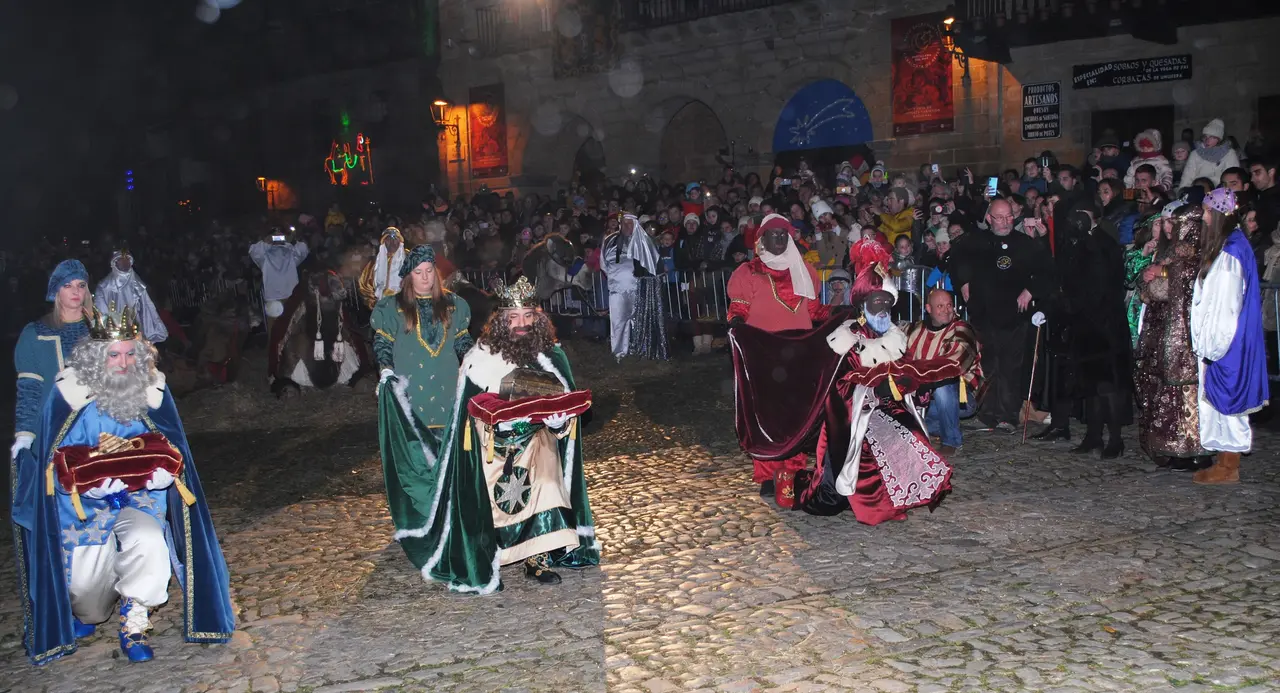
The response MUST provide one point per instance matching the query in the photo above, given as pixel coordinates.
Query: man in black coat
(1000, 274)
(1089, 336)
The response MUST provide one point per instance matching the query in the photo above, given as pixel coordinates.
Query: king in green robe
(487, 496)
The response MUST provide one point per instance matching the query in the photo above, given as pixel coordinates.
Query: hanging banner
(1041, 111)
(922, 99)
(1122, 72)
(487, 118)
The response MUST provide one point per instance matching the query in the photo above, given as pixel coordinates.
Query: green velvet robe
(443, 506)
(427, 358)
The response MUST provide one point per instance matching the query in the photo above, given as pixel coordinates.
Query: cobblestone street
(1041, 571)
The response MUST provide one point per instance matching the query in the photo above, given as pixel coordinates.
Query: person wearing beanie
(693, 199)
(1212, 157)
(828, 238)
(1227, 336)
(1150, 151)
(45, 345)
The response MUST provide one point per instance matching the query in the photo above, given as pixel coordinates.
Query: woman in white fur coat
(1150, 151)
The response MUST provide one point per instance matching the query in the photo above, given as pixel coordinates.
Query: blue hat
(66, 272)
(691, 187)
(417, 256)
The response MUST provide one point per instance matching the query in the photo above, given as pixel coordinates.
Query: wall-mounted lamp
(950, 29)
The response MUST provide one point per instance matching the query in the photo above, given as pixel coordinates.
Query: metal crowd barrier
(691, 295)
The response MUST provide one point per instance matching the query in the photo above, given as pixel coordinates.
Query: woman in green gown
(420, 336)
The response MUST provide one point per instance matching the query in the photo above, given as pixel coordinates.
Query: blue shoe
(134, 645)
(83, 630)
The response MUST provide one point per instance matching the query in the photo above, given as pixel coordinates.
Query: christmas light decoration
(345, 160)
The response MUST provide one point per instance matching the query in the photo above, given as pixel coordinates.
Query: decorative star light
(807, 126)
(511, 491)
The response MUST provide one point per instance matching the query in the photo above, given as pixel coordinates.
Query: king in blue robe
(82, 551)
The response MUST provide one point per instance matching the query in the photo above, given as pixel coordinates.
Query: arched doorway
(690, 143)
(825, 123)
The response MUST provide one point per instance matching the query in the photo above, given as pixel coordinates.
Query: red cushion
(78, 471)
(491, 409)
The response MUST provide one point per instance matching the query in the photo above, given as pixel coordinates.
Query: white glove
(160, 478)
(508, 425)
(20, 442)
(556, 421)
(109, 487)
(843, 340)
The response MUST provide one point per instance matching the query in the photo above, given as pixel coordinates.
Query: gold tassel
(48, 480)
(75, 503)
(466, 435)
(573, 427)
(893, 387)
(964, 392)
(187, 496)
(489, 452)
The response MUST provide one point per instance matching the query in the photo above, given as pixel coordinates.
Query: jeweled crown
(113, 329)
(521, 294)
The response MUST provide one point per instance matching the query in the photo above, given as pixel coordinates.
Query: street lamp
(948, 36)
(454, 125)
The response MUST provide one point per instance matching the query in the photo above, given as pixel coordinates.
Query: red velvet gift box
(488, 408)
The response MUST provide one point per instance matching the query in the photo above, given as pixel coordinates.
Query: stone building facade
(681, 97)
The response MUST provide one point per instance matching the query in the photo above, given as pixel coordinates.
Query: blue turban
(417, 256)
(66, 272)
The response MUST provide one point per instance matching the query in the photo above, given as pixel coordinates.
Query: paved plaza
(1042, 571)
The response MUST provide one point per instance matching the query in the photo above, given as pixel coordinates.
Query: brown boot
(1225, 471)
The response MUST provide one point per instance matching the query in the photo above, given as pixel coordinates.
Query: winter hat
(1148, 142)
(66, 272)
(819, 207)
(839, 276)
(941, 235)
(691, 187)
(757, 200)
(1182, 145)
(645, 218)
(1215, 128)
(878, 167)
(1222, 199)
(744, 222)
(1108, 139)
(691, 217)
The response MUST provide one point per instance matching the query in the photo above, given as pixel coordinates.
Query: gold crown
(518, 295)
(106, 328)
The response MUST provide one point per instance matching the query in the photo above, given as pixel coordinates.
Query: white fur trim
(77, 394)
(569, 451)
(485, 368)
(548, 366)
(349, 367)
(399, 388)
(587, 531)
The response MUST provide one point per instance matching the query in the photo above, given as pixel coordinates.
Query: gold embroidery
(739, 300)
(779, 298)
(386, 335)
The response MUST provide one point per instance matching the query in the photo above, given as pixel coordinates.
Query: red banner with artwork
(488, 126)
(922, 99)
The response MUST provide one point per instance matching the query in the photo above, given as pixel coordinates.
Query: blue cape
(46, 605)
(1237, 382)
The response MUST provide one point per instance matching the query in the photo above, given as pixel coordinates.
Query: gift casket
(132, 461)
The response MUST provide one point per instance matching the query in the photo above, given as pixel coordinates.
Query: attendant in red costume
(776, 291)
(852, 384)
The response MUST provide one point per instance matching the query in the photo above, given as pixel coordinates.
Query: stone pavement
(1042, 571)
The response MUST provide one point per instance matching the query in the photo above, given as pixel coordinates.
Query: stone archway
(691, 140)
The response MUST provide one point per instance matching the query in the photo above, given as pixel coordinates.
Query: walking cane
(1037, 319)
